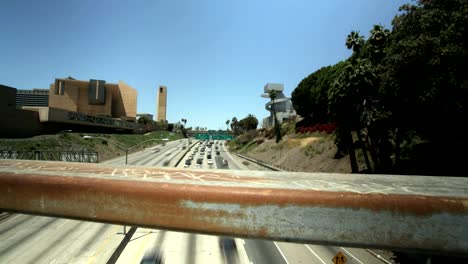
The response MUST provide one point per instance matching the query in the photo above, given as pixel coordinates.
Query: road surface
(35, 239)
(155, 246)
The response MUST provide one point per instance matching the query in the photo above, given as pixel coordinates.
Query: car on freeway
(210, 162)
(199, 161)
(217, 152)
(225, 163)
(188, 162)
(156, 150)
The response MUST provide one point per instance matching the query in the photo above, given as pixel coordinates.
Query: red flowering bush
(327, 128)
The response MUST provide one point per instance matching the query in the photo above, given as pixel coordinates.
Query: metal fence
(73, 156)
(411, 213)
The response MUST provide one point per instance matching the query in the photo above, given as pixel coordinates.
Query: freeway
(154, 246)
(35, 239)
(38, 239)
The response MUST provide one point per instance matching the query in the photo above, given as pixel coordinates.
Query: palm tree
(272, 94)
(354, 41)
(377, 40)
(227, 124)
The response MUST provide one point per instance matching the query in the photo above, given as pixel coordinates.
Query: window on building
(160, 90)
(60, 87)
(97, 92)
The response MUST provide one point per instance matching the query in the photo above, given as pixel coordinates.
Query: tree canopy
(410, 79)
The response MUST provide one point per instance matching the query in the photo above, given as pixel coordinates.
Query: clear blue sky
(214, 56)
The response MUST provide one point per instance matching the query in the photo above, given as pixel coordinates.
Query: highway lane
(32, 239)
(150, 246)
(37, 239)
(261, 251)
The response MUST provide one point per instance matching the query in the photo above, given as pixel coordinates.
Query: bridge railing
(410, 213)
(53, 155)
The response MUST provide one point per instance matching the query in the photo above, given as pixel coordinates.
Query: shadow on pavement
(229, 249)
(154, 255)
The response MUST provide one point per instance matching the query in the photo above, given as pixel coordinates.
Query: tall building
(34, 97)
(162, 103)
(94, 97)
(282, 105)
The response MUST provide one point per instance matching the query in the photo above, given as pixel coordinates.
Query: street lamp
(124, 149)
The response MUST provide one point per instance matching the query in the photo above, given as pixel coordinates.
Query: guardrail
(409, 213)
(258, 162)
(55, 155)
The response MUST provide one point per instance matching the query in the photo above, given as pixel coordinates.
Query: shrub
(327, 128)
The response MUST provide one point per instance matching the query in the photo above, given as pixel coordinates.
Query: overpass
(409, 213)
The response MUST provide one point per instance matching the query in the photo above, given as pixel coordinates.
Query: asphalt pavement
(36, 239)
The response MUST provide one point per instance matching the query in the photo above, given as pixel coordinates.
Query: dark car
(199, 161)
(217, 152)
(188, 162)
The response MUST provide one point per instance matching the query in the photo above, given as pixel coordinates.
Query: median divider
(185, 153)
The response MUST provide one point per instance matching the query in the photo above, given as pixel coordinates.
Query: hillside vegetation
(106, 147)
(400, 100)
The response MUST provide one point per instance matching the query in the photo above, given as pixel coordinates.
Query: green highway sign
(214, 135)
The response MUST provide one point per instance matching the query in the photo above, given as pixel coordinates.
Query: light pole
(126, 153)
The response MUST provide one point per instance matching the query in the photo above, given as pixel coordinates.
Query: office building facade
(34, 97)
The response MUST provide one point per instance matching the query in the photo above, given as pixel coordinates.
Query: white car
(210, 162)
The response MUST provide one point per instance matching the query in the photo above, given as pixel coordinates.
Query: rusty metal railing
(420, 213)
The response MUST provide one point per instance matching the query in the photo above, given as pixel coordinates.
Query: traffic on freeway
(154, 246)
(36, 239)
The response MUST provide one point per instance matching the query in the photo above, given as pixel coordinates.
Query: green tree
(277, 127)
(170, 127)
(354, 41)
(236, 126)
(249, 122)
(227, 124)
(310, 97)
(348, 97)
(143, 120)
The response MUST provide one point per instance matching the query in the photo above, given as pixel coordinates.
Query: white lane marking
(64, 222)
(315, 254)
(281, 252)
(53, 261)
(352, 255)
(378, 256)
(240, 244)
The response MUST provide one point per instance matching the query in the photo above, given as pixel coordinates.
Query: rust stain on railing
(383, 211)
